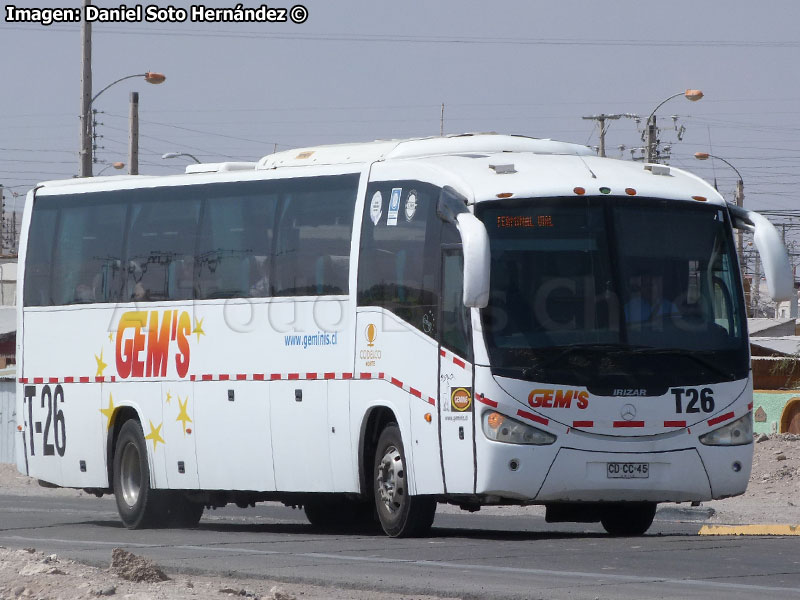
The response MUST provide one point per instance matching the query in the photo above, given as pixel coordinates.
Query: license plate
(618, 470)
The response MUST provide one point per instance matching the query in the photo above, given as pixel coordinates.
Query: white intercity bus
(371, 329)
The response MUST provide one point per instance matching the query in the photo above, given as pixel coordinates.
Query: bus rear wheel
(624, 519)
(400, 514)
(138, 504)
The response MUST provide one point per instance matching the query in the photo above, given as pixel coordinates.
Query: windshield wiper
(554, 354)
(690, 354)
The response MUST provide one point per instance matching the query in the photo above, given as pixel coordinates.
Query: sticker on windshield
(376, 208)
(411, 205)
(394, 206)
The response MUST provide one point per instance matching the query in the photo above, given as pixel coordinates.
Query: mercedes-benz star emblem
(628, 412)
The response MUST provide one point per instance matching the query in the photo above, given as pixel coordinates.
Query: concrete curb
(773, 529)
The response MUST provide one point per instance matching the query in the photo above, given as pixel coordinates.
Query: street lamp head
(156, 78)
(701, 155)
(170, 155)
(693, 95)
(118, 165)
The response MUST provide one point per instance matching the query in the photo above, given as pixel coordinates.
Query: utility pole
(601, 123)
(3, 221)
(651, 140)
(441, 122)
(133, 138)
(86, 95)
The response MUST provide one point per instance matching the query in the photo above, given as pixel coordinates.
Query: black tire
(139, 505)
(337, 513)
(625, 519)
(399, 513)
(182, 512)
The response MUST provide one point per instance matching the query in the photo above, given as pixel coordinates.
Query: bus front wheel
(400, 514)
(138, 504)
(628, 518)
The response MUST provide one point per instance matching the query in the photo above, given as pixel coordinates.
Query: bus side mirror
(777, 268)
(452, 208)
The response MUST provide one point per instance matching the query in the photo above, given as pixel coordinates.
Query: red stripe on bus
(330, 375)
(293, 376)
(674, 423)
(415, 392)
(207, 377)
(460, 362)
(311, 375)
(113, 378)
(628, 423)
(431, 401)
(23, 380)
(258, 377)
(442, 352)
(365, 376)
(84, 380)
(69, 379)
(347, 375)
(273, 377)
(486, 401)
(52, 380)
(721, 418)
(396, 382)
(750, 406)
(38, 380)
(224, 377)
(577, 424)
(241, 376)
(533, 417)
(381, 375)
(192, 377)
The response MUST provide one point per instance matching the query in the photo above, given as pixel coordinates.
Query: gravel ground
(773, 496)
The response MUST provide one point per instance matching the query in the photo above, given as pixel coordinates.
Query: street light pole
(738, 198)
(652, 132)
(88, 101)
(177, 154)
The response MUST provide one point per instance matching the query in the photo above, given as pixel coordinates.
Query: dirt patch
(135, 568)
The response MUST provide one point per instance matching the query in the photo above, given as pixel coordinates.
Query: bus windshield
(613, 290)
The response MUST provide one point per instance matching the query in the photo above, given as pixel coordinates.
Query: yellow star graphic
(155, 435)
(109, 412)
(198, 328)
(169, 397)
(111, 337)
(183, 415)
(100, 364)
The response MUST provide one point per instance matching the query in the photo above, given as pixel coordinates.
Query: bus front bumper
(574, 475)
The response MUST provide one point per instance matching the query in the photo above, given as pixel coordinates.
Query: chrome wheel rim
(130, 476)
(391, 482)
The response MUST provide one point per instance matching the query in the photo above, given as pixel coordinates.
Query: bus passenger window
(312, 236)
(234, 242)
(161, 240)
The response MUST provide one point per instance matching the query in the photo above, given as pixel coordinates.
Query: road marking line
(597, 578)
(775, 529)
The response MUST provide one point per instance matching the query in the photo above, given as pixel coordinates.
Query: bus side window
(314, 226)
(86, 267)
(38, 262)
(161, 244)
(454, 314)
(400, 250)
(234, 242)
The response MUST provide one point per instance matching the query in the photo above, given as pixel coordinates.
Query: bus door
(456, 405)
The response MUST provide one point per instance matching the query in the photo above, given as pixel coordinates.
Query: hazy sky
(361, 70)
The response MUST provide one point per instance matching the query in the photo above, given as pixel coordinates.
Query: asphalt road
(467, 555)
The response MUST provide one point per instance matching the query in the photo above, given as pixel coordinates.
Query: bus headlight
(738, 433)
(501, 428)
